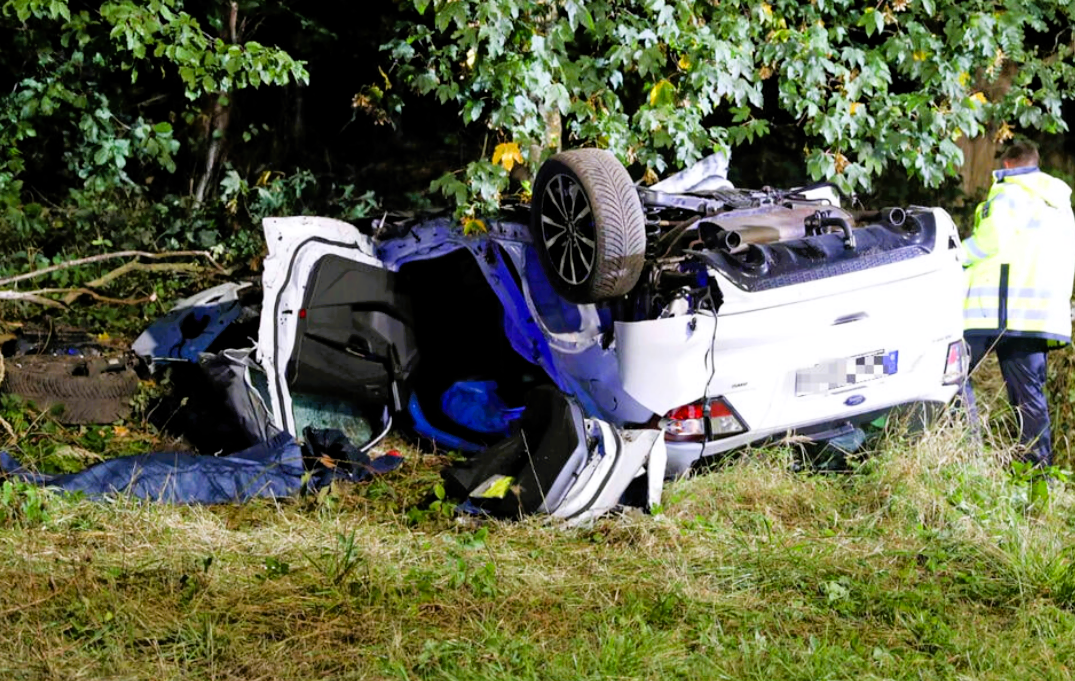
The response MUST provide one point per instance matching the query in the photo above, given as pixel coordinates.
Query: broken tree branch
(132, 266)
(113, 301)
(38, 297)
(112, 256)
(31, 297)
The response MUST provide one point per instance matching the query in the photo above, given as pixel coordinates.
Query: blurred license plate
(840, 373)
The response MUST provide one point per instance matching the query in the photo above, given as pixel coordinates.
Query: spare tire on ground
(82, 389)
(588, 226)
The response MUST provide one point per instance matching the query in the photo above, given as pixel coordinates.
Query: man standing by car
(1020, 262)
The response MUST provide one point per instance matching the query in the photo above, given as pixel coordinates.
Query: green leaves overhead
(79, 49)
(664, 82)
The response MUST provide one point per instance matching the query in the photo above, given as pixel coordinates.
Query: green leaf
(451, 12)
(472, 110)
(587, 18)
(450, 186)
(232, 184)
(22, 9)
(872, 20)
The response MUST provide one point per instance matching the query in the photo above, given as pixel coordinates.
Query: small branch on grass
(31, 297)
(111, 301)
(112, 256)
(12, 437)
(18, 608)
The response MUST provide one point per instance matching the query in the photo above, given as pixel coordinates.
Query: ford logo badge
(855, 400)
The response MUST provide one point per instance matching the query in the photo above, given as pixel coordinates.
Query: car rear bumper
(915, 413)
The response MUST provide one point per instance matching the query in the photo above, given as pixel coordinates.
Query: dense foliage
(664, 82)
(90, 120)
(178, 123)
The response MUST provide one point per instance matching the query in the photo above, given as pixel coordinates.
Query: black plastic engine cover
(767, 266)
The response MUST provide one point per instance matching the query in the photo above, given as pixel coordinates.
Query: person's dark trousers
(1022, 363)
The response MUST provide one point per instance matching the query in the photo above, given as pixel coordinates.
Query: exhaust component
(816, 223)
(735, 239)
(893, 217)
(715, 237)
(726, 241)
(757, 234)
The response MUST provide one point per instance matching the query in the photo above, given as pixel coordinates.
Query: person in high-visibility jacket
(1020, 262)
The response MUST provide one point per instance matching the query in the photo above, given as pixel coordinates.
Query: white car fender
(619, 457)
(666, 363)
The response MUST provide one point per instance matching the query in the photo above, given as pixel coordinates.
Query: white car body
(766, 353)
(764, 340)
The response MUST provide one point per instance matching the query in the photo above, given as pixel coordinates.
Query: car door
(334, 328)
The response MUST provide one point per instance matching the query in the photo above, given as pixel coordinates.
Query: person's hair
(1021, 153)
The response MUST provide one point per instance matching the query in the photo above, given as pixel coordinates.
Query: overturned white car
(722, 316)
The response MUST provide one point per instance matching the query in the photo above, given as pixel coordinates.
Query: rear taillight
(685, 424)
(723, 421)
(689, 422)
(956, 364)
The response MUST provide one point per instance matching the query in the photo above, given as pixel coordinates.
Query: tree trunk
(979, 153)
(218, 124)
(978, 164)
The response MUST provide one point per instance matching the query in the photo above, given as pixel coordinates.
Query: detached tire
(587, 224)
(78, 389)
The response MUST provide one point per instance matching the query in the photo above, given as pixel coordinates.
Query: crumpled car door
(333, 323)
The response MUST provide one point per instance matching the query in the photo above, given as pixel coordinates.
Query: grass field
(927, 562)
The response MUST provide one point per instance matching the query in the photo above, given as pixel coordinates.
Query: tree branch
(132, 266)
(31, 297)
(38, 297)
(112, 256)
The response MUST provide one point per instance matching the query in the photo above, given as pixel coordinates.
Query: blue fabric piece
(423, 427)
(468, 507)
(271, 469)
(268, 469)
(476, 405)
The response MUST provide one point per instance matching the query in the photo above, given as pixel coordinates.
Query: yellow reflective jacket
(1020, 259)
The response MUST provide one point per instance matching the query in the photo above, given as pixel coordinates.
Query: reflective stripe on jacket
(1021, 258)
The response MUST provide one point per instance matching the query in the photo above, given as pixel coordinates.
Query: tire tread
(620, 221)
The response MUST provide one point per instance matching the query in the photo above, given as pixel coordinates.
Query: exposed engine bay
(762, 239)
